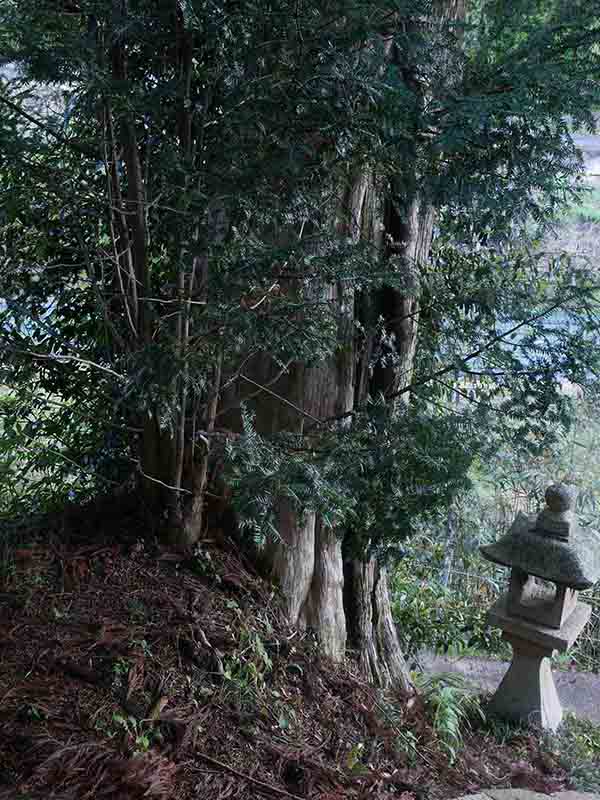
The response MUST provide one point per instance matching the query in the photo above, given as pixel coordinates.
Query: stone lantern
(551, 559)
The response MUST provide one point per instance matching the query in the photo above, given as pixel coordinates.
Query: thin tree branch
(283, 400)
(261, 784)
(71, 461)
(237, 377)
(47, 129)
(60, 358)
(157, 480)
(480, 350)
(464, 394)
(469, 357)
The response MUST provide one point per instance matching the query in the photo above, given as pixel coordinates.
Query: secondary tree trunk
(373, 630)
(307, 562)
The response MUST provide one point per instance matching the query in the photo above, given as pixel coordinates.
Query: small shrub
(437, 618)
(120, 671)
(453, 705)
(135, 732)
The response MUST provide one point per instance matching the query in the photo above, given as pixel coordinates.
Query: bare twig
(119, 213)
(60, 358)
(157, 480)
(238, 375)
(165, 301)
(261, 784)
(282, 400)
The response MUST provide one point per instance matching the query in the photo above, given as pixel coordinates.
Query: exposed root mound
(132, 672)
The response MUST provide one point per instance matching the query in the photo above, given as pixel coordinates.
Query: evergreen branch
(480, 350)
(465, 395)
(71, 461)
(442, 406)
(501, 373)
(469, 357)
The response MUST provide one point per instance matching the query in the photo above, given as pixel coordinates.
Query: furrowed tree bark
(293, 560)
(326, 390)
(307, 557)
(368, 608)
(307, 563)
(372, 629)
(326, 601)
(408, 234)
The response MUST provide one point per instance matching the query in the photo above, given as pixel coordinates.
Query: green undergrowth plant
(138, 734)
(202, 564)
(453, 706)
(120, 672)
(576, 745)
(406, 742)
(246, 668)
(503, 731)
(19, 533)
(441, 618)
(585, 654)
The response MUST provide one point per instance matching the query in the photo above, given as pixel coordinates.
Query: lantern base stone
(527, 693)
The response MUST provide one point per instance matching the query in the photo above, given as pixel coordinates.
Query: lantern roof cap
(551, 545)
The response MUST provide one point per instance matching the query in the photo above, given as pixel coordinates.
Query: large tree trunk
(407, 238)
(371, 625)
(307, 561)
(319, 590)
(307, 557)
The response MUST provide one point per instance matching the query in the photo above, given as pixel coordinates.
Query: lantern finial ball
(560, 497)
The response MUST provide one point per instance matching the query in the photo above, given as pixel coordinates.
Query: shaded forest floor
(128, 671)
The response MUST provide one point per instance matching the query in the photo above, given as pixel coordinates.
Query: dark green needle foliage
(171, 184)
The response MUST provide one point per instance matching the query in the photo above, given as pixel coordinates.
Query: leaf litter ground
(130, 671)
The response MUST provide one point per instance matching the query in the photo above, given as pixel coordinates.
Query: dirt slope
(129, 672)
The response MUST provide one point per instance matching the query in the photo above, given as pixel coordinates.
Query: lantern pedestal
(527, 693)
